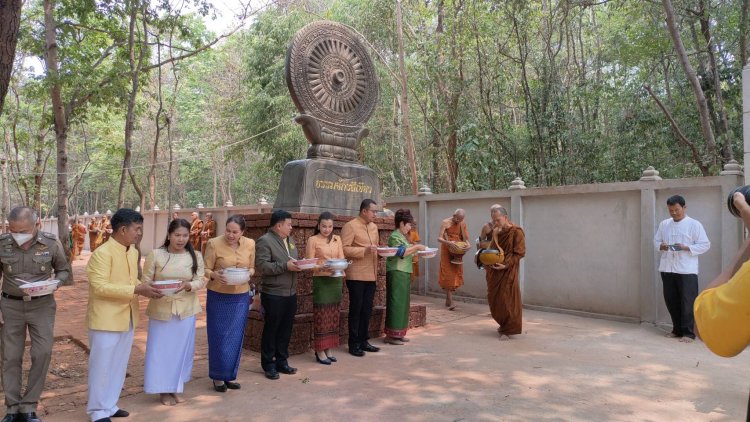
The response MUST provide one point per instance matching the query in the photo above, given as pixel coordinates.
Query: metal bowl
(338, 266)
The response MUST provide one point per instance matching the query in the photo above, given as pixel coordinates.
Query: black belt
(25, 298)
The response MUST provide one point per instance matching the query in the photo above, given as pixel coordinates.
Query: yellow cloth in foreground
(722, 314)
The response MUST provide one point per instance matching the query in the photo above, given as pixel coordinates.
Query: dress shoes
(232, 385)
(10, 417)
(356, 351)
(370, 348)
(220, 388)
(103, 420)
(325, 361)
(271, 374)
(27, 417)
(332, 359)
(286, 369)
(121, 414)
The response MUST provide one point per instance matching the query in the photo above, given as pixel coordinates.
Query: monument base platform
(304, 226)
(317, 185)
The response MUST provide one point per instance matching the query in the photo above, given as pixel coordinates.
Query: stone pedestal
(316, 185)
(302, 333)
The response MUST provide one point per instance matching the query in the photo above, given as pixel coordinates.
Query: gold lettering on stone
(342, 185)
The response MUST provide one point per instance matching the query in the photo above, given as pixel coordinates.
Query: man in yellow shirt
(113, 313)
(721, 310)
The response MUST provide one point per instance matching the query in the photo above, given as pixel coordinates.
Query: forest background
(137, 103)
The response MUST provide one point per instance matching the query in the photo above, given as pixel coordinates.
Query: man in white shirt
(680, 240)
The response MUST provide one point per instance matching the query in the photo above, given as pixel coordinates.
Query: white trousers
(108, 365)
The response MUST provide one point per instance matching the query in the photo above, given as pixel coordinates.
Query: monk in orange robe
(413, 238)
(94, 234)
(452, 230)
(209, 231)
(196, 227)
(79, 237)
(503, 285)
(106, 229)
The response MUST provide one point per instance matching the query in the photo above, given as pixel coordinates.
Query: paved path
(455, 369)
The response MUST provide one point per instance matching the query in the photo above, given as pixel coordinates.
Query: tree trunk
(61, 124)
(743, 33)
(700, 98)
(10, 21)
(405, 120)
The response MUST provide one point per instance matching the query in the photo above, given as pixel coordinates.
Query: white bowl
(306, 264)
(428, 253)
(40, 288)
(167, 287)
(387, 251)
(237, 276)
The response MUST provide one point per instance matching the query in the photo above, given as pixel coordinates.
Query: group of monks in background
(99, 230)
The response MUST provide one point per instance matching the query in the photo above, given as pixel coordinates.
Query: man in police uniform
(30, 255)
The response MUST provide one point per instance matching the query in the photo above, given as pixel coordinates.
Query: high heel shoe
(221, 388)
(325, 361)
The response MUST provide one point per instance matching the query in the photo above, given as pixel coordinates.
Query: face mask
(21, 238)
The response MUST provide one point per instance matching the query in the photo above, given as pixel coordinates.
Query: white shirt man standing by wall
(680, 239)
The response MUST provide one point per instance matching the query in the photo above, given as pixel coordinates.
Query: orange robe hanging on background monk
(79, 238)
(195, 234)
(452, 275)
(209, 232)
(413, 238)
(94, 234)
(106, 230)
(503, 288)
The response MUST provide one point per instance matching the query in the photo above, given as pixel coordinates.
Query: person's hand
(2, 320)
(421, 247)
(683, 247)
(185, 286)
(663, 247)
(498, 267)
(148, 290)
(372, 249)
(220, 277)
(292, 266)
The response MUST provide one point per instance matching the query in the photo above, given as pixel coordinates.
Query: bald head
(498, 209)
(459, 212)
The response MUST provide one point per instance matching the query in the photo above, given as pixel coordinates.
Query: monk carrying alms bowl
(457, 251)
(490, 257)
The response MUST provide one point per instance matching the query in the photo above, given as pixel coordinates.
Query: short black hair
(279, 215)
(676, 199)
(238, 220)
(125, 217)
(366, 204)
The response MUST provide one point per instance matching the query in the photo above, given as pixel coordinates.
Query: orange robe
(452, 275)
(413, 238)
(105, 233)
(503, 289)
(195, 234)
(79, 238)
(209, 232)
(94, 235)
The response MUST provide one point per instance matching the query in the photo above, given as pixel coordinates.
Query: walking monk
(79, 237)
(95, 229)
(209, 231)
(453, 233)
(196, 227)
(503, 289)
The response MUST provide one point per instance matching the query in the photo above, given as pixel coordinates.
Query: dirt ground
(563, 368)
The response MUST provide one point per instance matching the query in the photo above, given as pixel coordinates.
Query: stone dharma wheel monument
(333, 84)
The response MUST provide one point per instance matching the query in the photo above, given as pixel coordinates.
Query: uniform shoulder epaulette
(49, 235)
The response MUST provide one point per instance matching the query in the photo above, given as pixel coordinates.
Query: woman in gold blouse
(226, 304)
(171, 326)
(326, 289)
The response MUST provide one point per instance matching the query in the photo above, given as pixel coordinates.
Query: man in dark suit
(275, 255)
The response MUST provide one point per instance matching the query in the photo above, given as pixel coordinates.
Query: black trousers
(680, 291)
(277, 329)
(361, 294)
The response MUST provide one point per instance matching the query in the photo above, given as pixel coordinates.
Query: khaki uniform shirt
(44, 256)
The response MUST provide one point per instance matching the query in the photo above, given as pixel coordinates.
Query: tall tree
(10, 22)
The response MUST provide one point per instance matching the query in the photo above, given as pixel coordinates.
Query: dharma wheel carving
(333, 84)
